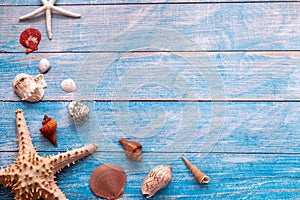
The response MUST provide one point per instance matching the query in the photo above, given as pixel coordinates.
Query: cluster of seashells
(32, 89)
(108, 180)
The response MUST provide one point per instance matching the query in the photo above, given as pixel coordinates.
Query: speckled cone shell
(29, 88)
(158, 178)
(132, 149)
(49, 129)
(200, 176)
(108, 181)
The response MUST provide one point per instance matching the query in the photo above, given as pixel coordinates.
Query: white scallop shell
(29, 88)
(158, 178)
(78, 111)
(44, 65)
(68, 85)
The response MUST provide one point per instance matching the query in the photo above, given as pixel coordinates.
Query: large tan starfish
(32, 176)
(48, 6)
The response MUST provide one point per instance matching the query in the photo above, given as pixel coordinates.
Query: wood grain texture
(187, 76)
(233, 176)
(257, 127)
(167, 27)
(217, 81)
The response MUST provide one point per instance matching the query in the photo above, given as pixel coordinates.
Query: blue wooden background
(217, 81)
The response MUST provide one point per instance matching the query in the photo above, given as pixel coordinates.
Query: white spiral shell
(78, 111)
(29, 88)
(68, 85)
(158, 178)
(44, 65)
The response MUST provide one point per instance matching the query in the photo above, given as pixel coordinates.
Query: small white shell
(158, 178)
(28, 88)
(44, 65)
(78, 111)
(68, 85)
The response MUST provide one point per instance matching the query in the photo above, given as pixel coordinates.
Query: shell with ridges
(200, 176)
(44, 65)
(158, 178)
(49, 129)
(78, 111)
(29, 88)
(108, 181)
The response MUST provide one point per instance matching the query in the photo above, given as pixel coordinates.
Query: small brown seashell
(158, 178)
(132, 149)
(108, 181)
(200, 176)
(49, 129)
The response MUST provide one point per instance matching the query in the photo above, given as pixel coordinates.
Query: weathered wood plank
(234, 76)
(164, 126)
(242, 176)
(171, 27)
(94, 2)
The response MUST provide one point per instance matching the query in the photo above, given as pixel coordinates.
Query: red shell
(30, 38)
(108, 181)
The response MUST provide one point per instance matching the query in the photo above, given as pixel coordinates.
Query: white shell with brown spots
(158, 178)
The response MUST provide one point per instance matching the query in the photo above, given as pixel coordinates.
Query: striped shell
(29, 88)
(108, 181)
(200, 176)
(158, 178)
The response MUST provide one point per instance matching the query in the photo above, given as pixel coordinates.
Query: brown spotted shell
(157, 179)
(108, 181)
(49, 129)
(29, 88)
(133, 150)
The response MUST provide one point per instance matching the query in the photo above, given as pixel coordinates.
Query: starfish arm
(8, 176)
(48, 23)
(3, 177)
(29, 15)
(70, 157)
(65, 12)
(23, 134)
(51, 191)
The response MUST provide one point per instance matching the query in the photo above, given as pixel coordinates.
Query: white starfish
(48, 6)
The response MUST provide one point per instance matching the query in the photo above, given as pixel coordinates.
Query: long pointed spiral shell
(200, 176)
(158, 178)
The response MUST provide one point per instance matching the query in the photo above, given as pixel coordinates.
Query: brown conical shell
(108, 181)
(133, 150)
(49, 129)
(200, 176)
